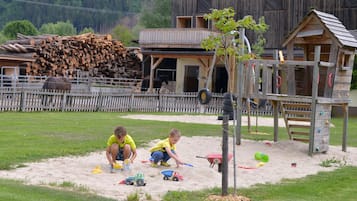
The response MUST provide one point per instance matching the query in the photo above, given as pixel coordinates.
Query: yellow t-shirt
(160, 146)
(127, 140)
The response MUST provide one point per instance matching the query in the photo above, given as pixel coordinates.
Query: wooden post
(99, 101)
(225, 127)
(276, 120)
(275, 73)
(64, 100)
(23, 101)
(345, 127)
(153, 66)
(291, 71)
(315, 84)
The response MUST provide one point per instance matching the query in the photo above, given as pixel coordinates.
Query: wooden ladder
(297, 117)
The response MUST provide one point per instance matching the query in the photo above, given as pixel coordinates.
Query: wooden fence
(40, 100)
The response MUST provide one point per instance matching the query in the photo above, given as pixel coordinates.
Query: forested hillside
(100, 15)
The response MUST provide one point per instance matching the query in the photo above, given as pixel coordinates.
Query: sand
(79, 169)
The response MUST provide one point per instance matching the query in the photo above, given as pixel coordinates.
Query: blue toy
(171, 175)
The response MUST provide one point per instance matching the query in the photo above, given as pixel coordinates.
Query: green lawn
(33, 136)
(325, 186)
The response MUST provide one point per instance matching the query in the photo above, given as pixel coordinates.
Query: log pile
(98, 55)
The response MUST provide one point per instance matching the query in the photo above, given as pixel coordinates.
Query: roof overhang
(9, 60)
(175, 54)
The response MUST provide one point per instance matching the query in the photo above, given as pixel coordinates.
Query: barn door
(220, 79)
(191, 81)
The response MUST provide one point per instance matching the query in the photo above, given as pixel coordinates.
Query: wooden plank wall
(282, 15)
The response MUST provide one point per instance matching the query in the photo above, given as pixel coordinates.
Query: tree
(226, 42)
(59, 28)
(3, 38)
(226, 45)
(156, 14)
(123, 34)
(19, 26)
(87, 30)
(100, 15)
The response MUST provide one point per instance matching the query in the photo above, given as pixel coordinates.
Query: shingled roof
(331, 24)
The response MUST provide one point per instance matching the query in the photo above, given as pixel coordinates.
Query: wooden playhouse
(304, 90)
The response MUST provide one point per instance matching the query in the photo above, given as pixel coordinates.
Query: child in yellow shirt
(120, 146)
(166, 149)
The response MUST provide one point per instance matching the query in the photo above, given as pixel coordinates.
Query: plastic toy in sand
(171, 175)
(117, 166)
(126, 166)
(215, 158)
(259, 156)
(138, 179)
(97, 170)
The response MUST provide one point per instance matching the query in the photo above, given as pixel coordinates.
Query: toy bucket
(259, 156)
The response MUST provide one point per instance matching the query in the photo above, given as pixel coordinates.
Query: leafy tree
(123, 34)
(226, 43)
(59, 28)
(100, 15)
(87, 30)
(156, 14)
(19, 26)
(3, 38)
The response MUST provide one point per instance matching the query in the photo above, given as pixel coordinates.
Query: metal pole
(239, 72)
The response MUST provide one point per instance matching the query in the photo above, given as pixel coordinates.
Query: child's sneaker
(154, 165)
(165, 164)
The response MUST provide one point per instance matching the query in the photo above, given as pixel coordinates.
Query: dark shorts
(120, 155)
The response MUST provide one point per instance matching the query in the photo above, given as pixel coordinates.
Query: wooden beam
(316, 32)
(153, 66)
(178, 56)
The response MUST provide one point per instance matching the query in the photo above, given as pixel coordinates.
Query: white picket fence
(40, 100)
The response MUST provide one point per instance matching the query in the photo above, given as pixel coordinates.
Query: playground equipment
(138, 179)
(259, 156)
(302, 89)
(171, 175)
(214, 159)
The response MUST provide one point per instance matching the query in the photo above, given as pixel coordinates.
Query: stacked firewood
(98, 55)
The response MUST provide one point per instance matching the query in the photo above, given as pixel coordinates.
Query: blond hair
(120, 131)
(175, 133)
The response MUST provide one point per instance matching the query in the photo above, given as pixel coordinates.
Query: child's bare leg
(114, 149)
(126, 151)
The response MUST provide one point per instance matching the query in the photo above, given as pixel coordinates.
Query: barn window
(184, 22)
(347, 59)
(201, 22)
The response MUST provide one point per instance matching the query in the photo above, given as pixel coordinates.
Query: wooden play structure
(304, 90)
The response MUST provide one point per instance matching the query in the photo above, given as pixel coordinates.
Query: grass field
(29, 137)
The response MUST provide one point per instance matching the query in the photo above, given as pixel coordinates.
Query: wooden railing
(263, 80)
(39, 100)
(78, 83)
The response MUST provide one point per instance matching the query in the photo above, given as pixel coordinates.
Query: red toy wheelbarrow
(214, 159)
